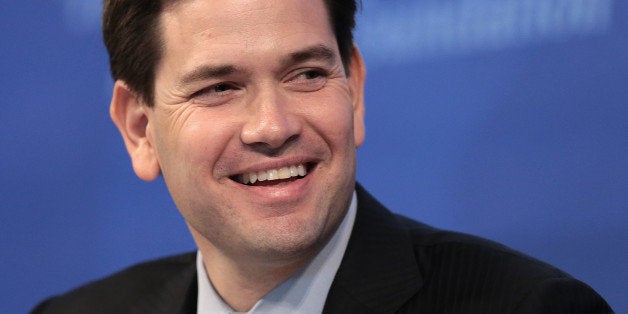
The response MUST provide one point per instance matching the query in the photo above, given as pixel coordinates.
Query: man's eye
(221, 87)
(309, 80)
(216, 90)
(214, 94)
(312, 74)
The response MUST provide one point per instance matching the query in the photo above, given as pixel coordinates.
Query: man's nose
(271, 122)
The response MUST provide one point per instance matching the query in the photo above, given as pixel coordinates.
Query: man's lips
(274, 176)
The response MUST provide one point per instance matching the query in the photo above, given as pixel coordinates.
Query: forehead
(210, 29)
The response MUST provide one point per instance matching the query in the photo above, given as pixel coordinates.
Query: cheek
(333, 119)
(205, 140)
(192, 142)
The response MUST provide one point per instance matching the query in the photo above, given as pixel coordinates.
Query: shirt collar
(304, 292)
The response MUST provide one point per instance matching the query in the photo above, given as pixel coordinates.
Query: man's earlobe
(356, 85)
(131, 117)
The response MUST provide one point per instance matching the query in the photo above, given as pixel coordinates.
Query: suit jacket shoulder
(397, 265)
(166, 285)
(392, 265)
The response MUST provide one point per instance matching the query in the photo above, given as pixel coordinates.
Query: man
(252, 111)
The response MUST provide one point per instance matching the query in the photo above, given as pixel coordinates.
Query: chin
(291, 240)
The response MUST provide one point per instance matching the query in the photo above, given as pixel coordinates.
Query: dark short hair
(131, 35)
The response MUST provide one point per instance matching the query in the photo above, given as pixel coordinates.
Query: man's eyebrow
(318, 52)
(206, 72)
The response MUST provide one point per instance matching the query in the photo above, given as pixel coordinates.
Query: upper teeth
(274, 174)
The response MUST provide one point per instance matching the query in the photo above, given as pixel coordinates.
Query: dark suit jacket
(392, 265)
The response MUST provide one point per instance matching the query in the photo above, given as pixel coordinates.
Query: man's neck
(241, 285)
(291, 284)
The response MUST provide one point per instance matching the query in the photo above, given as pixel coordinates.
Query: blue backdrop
(503, 118)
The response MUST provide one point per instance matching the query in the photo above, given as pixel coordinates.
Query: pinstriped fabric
(381, 275)
(454, 273)
(467, 278)
(164, 286)
(561, 295)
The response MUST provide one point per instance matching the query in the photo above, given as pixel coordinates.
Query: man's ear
(357, 77)
(131, 116)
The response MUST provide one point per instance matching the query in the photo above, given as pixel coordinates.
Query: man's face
(248, 90)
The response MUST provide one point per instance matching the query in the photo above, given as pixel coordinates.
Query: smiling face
(254, 127)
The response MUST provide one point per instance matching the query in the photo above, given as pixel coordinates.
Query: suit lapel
(178, 294)
(379, 272)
